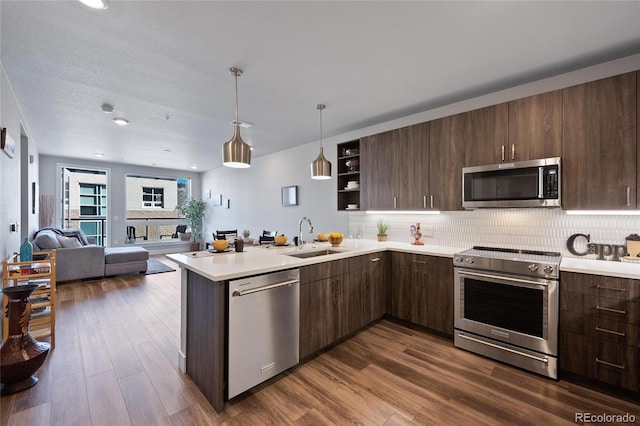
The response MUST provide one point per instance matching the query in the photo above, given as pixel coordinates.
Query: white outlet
(115, 218)
(116, 242)
(427, 231)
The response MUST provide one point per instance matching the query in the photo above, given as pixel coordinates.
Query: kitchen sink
(315, 253)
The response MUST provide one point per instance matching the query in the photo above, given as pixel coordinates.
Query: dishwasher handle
(238, 293)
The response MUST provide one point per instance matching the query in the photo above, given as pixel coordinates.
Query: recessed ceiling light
(121, 121)
(98, 154)
(107, 108)
(166, 150)
(95, 4)
(194, 167)
(241, 123)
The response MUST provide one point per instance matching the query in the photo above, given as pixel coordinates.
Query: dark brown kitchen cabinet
(368, 291)
(486, 135)
(396, 165)
(599, 158)
(412, 168)
(599, 331)
(422, 291)
(317, 316)
(447, 137)
(535, 127)
(440, 302)
(340, 297)
(525, 129)
(378, 170)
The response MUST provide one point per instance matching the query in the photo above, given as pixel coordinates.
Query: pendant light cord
(320, 128)
(237, 122)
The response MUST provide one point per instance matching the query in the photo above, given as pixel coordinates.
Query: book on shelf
(42, 282)
(40, 313)
(34, 268)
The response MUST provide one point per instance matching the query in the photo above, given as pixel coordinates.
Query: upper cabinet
(486, 135)
(395, 169)
(525, 129)
(599, 154)
(378, 170)
(535, 127)
(412, 168)
(592, 126)
(446, 151)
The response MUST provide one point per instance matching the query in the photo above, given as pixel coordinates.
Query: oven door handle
(503, 278)
(493, 345)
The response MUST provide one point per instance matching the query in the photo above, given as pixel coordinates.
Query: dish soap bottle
(26, 251)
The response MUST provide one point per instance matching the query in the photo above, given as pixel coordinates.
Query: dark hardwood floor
(115, 363)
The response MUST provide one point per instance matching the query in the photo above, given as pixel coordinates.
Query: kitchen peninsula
(205, 281)
(205, 285)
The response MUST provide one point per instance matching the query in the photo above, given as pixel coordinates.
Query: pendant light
(320, 167)
(236, 153)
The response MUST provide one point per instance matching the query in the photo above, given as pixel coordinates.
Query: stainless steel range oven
(506, 306)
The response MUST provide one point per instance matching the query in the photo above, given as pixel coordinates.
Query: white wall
(14, 180)
(255, 200)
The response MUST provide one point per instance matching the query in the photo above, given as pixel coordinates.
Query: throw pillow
(77, 234)
(47, 240)
(69, 242)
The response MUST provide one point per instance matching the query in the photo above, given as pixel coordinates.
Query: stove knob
(469, 260)
(457, 259)
(548, 269)
(533, 267)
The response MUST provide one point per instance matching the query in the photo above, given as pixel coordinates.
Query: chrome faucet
(299, 242)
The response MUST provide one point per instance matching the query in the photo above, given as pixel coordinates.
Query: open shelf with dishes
(42, 271)
(349, 175)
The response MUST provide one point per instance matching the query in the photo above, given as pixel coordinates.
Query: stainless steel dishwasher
(264, 325)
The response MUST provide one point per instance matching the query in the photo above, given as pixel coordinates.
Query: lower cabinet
(340, 297)
(599, 332)
(422, 290)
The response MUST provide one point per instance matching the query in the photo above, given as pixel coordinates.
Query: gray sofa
(77, 259)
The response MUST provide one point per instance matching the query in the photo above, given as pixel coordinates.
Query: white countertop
(263, 259)
(601, 267)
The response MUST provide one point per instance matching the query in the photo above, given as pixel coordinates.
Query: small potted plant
(383, 227)
(193, 211)
(245, 235)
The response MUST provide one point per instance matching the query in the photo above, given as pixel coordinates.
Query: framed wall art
(7, 144)
(290, 196)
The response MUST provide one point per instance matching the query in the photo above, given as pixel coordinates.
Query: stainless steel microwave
(534, 183)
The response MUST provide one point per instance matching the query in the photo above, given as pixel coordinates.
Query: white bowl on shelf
(352, 206)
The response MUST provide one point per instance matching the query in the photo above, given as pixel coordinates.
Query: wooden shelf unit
(43, 299)
(348, 151)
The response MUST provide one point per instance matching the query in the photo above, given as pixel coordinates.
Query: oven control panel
(514, 263)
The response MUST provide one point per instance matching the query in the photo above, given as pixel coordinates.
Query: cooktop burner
(500, 260)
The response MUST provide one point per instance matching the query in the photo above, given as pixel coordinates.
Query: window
(151, 206)
(152, 197)
(93, 199)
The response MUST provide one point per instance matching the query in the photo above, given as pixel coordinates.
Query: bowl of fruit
(335, 238)
(281, 240)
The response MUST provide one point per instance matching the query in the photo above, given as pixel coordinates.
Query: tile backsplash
(532, 229)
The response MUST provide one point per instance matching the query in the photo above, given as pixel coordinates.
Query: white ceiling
(369, 62)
